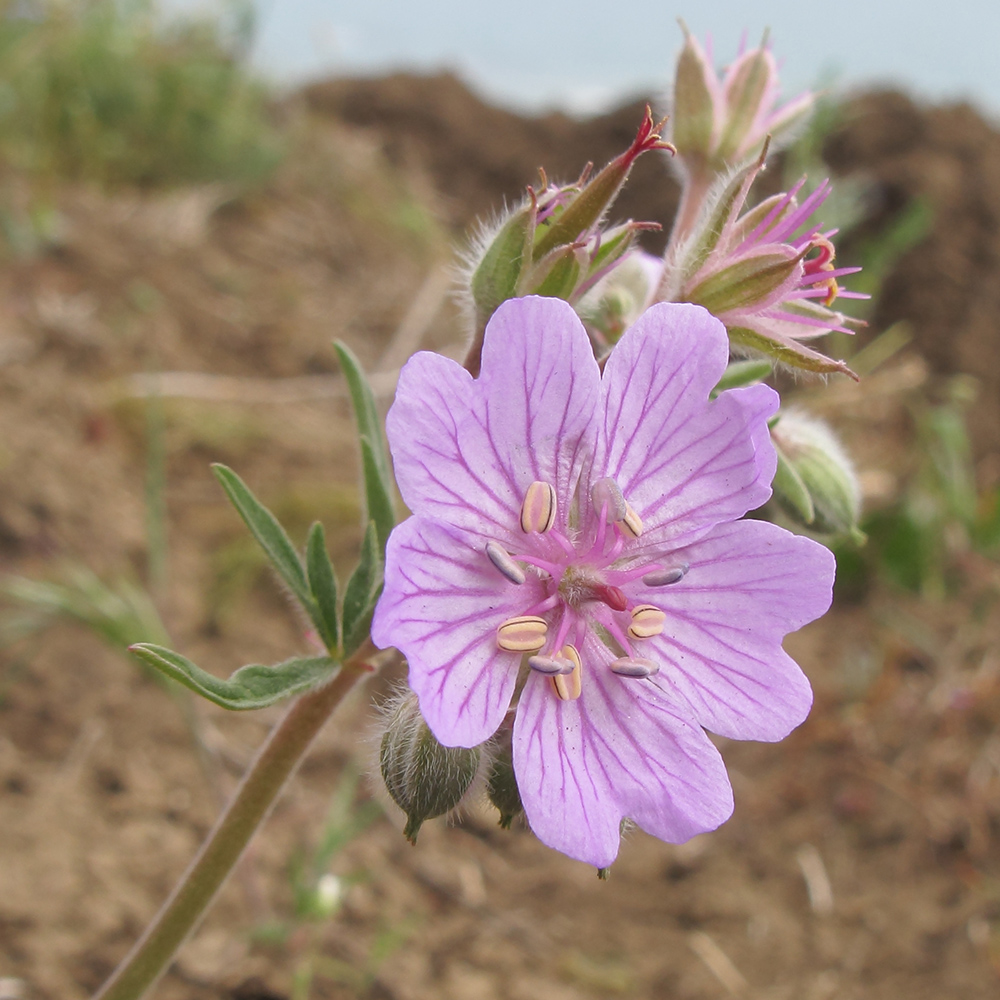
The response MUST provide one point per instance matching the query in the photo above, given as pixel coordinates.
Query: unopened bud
(501, 785)
(424, 778)
(815, 481)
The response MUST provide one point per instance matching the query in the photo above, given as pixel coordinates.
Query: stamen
(551, 666)
(627, 666)
(538, 512)
(524, 634)
(608, 500)
(501, 559)
(568, 686)
(647, 621)
(665, 577)
(631, 522)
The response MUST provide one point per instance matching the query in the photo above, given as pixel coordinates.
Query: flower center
(584, 587)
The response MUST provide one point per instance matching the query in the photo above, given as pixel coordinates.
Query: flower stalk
(276, 762)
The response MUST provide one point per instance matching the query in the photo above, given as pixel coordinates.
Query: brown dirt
(863, 859)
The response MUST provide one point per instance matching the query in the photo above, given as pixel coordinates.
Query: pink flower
(576, 551)
(768, 274)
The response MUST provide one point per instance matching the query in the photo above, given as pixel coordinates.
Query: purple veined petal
(621, 749)
(541, 389)
(684, 463)
(441, 606)
(749, 584)
(466, 450)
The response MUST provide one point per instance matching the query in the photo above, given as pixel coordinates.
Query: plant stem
(274, 765)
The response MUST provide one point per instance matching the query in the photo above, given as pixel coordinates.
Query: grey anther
(501, 558)
(627, 666)
(607, 492)
(550, 665)
(665, 577)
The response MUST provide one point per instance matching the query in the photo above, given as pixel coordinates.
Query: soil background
(863, 859)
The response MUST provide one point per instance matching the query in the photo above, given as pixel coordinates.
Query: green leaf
(323, 584)
(252, 686)
(378, 501)
(362, 592)
(270, 535)
(365, 410)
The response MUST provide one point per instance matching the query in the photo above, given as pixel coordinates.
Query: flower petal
(465, 451)
(683, 462)
(749, 584)
(441, 606)
(619, 750)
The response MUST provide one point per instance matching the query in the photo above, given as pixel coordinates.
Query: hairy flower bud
(501, 784)
(815, 482)
(555, 243)
(424, 778)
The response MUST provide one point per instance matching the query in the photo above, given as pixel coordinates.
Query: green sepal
(615, 243)
(252, 686)
(556, 275)
(495, 279)
(790, 490)
(270, 535)
(362, 592)
(747, 283)
(365, 411)
(694, 109)
(323, 584)
(742, 373)
(744, 94)
(788, 352)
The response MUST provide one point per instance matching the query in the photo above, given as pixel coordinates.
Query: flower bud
(501, 785)
(555, 243)
(815, 481)
(424, 778)
(619, 298)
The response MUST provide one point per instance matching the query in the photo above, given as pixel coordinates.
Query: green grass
(107, 91)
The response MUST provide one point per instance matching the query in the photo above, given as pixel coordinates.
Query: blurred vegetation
(932, 540)
(108, 91)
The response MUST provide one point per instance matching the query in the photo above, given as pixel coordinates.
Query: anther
(607, 494)
(551, 665)
(627, 666)
(631, 523)
(524, 634)
(665, 577)
(647, 621)
(501, 559)
(538, 512)
(568, 686)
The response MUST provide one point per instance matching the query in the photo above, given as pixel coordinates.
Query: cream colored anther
(538, 511)
(524, 634)
(647, 621)
(568, 686)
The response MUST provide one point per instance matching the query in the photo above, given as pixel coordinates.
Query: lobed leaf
(362, 591)
(250, 687)
(323, 585)
(270, 535)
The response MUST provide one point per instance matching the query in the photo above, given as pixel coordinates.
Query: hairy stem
(274, 765)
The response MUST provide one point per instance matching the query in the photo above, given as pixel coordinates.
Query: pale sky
(587, 54)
